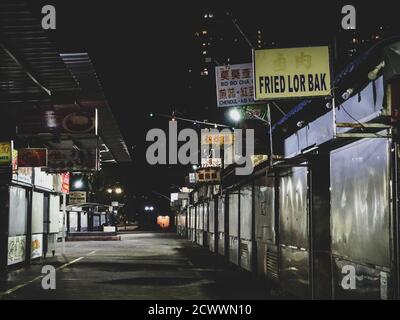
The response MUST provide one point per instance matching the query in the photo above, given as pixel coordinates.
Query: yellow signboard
(5, 153)
(291, 73)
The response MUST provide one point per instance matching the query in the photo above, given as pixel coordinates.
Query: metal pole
(63, 220)
(271, 151)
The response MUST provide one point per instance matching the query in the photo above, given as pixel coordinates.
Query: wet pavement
(143, 265)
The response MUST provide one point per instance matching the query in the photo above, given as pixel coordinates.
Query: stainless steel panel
(261, 259)
(234, 214)
(200, 217)
(18, 212)
(294, 275)
(320, 130)
(360, 193)
(221, 214)
(264, 206)
(211, 216)
(370, 283)
(54, 213)
(246, 255)
(37, 212)
(205, 216)
(234, 249)
(291, 146)
(211, 241)
(361, 106)
(221, 243)
(200, 238)
(246, 205)
(294, 208)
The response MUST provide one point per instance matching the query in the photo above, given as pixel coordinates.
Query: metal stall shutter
(221, 226)
(233, 227)
(17, 225)
(360, 193)
(37, 224)
(246, 221)
(211, 225)
(200, 224)
(193, 224)
(294, 238)
(264, 206)
(205, 224)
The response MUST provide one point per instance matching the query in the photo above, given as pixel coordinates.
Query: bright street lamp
(118, 190)
(235, 115)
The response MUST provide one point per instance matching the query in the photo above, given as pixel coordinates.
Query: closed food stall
(294, 235)
(221, 226)
(246, 227)
(233, 231)
(211, 225)
(264, 207)
(361, 219)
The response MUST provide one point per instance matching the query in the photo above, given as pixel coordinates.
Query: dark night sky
(141, 53)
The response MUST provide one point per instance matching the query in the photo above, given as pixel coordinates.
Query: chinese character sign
(234, 85)
(292, 73)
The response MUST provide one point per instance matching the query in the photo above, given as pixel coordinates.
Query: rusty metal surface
(360, 193)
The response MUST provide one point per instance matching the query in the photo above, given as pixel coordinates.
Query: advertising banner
(292, 73)
(37, 246)
(72, 160)
(234, 84)
(65, 182)
(16, 249)
(57, 120)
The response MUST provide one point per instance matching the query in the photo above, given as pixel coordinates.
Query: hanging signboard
(215, 138)
(72, 160)
(234, 85)
(292, 73)
(211, 175)
(32, 157)
(5, 153)
(77, 197)
(211, 162)
(71, 119)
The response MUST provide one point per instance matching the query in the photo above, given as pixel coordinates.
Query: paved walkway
(140, 266)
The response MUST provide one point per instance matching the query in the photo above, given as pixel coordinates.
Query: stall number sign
(292, 73)
(5, 153)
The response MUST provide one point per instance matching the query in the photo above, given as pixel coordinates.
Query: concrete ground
(143, 265)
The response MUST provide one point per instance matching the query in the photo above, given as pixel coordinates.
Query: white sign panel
(234, 85)
(16, 249)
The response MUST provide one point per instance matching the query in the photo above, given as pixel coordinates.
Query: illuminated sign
(292, 73)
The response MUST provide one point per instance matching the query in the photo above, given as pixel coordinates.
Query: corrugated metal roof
(30, 66)
(92, 94)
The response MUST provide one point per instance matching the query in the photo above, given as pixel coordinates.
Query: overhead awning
(30, 66)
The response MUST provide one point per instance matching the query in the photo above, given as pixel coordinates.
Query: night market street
(144, 265)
